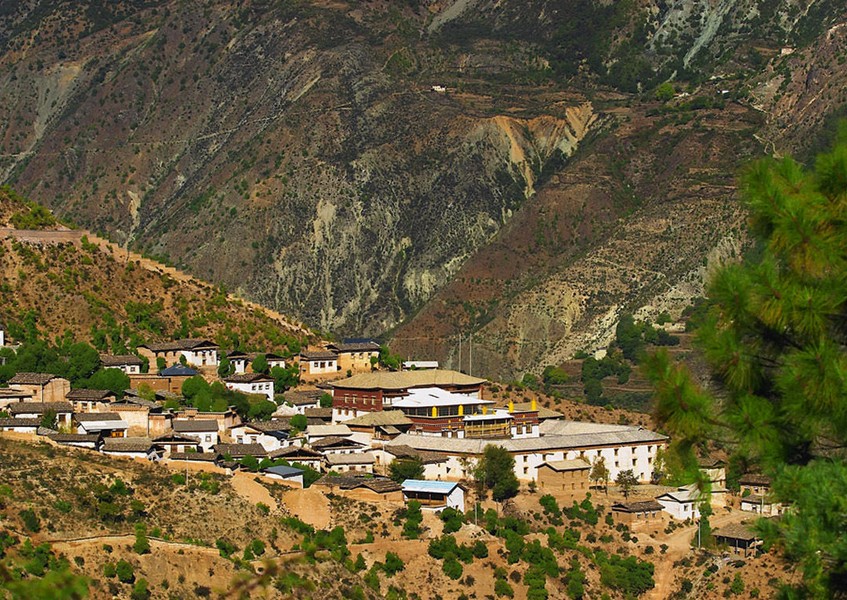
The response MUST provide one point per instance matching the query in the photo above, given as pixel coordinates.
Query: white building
(272, 435)
(316, 364)
(128, 363)
(435, 495)
(287, 474)
(205, 430)
(239, 361)
(2, 335)
(251, 383)
(362, 462)
(685, 502)
(106, 424)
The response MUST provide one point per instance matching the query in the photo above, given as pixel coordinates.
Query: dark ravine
(296, 152)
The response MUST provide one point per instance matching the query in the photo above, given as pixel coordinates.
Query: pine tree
(775, 337)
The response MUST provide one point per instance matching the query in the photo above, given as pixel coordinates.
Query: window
(208, 438)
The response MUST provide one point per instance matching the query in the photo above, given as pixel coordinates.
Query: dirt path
(246, 485)
(310, 506)
(128, 538)
(679, 544)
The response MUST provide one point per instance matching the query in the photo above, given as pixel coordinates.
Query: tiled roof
(324, 430)
(295, 451)
(283, 471)
(119, 360)
(301, 398)
(332, 440)
(20, 422)
(200, 456)
(633, 507)
(424, 456)
(318, 355)
(355, 347)
(381, 485)
(318, 413)
(178, 371)
(241, 450)
(543, 411)
(66, 438)
(13, 393)
(736, 531)
(754, 479)
(357, 458)
(380, 417)
(94, 417)
(272, 426)
(39, 408)
(186, 344)
(400, 380)
(248, 378)
(195, 425)
(127, 444)
(32, 378)
(568, 465)
(88, 395)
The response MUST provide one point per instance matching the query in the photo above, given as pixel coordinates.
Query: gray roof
(199, 456)
(633, 507)
(95, 416)
(401, 380)
(130, 444)
(736, 531)
(195, 425)
(39, 408)
(568, 465)
(33, 378)
(185, 344)
(380, 417)
(20, 422)
(241, 450)
(318, 355)
(333, 440)
(292, 452)
(357, 458)
(67, 438)
(355, 347)
(119, 360)
(284, 471)
(300, 398)
(88, 395)
(381, 485)
(248, 378)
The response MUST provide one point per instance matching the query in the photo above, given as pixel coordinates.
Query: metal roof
(429, 487)
(284, 471)
(401, 380)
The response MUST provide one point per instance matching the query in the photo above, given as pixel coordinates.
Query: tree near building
(600, 473)
(626, 481)
(406, 468)
(260, 364)
(775, 335)
(225, 368)
(495, 471)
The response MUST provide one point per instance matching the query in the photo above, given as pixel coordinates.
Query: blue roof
(284, 471)
(177, 370)
(433, 487)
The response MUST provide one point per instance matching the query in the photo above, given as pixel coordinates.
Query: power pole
(460, 352)
(470, 355)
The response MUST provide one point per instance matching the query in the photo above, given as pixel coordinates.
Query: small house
(10, 396)
(682, 503)
(299, 455)
(568, 476)
(738, 537)
(196, 352)
(37, 410)
(251, 383)
(291, 475)
(128, 363)
(362, 462)
(131, 447)
(337, 445)
(761, 504)
(363, 487)
(89, 441)
(434, 495)
(43, 387)
(355, 357)
(754, 483)
(239, 451)
(634, 513)
(300, 401)
(318, 364)
(85, 401)
(239, 361)
(20, 425)
(274, 360)
(205, 431)
(176, 443)
(272, 435)
(316, 432)
(108, 425)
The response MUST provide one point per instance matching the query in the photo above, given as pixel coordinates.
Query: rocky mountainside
(297, 151)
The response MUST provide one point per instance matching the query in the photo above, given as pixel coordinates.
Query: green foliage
(575, 579)
(142, 544)
(260, 364)
(251, 463)
(406, 468)
(31, 520)
(664, 92)
(225, 547)
(392, 564)
(774, 335)
(298, 422)
(502, 589)
(114, 380)
(125, 572)
(554, 376)
(325, 401)
(453, 520)
(626, 480)
(145, 316)
(49, 419)
(628, 575)
(140, 590)
(414, 517)
(225, 367)
(496, 471)
(289, 581)
(285, 378)
(388, 360)
(452, 567)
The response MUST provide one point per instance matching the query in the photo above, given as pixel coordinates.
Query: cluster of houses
(435, 416)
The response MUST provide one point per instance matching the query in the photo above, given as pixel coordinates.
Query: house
(362, 462)
(108, 425)
(434, 463)
(43, 387)
(714, 469)
(379, 390)
(380, 426)
(37, 410)
(2, 335)
(171, 443)
(10, 396)
(318, 364)
(131, 447)
(196, 352)
(434, 495)
(684, 502)
(299, 455)
(300, 401)
(28, 425)
(167, 380)
(419, 364)
(251, 383)
(128, 363)
(239, 451)
(225, 419)
(316, 432)
(239, 361)
(272, 435)
(84, 400)
(737, 536)
(754, 483)
(89, 441)
(762, 504)
(204, 430)
(318, 416)
(364, 487)
(355, 357)
(290, 475)
(635, 513)
(275, 360)
(564, 476)
(195, 458)
(136, 412)
(337, 445)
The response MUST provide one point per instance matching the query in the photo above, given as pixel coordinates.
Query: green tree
(626, 481)
(285, 377)
(260, 364)
(299, 422)
(142, 544)
(406, 468)
(125, 572)
(114, 380)
(775, 336)
(225, 368)
(49, 419)
(665, 92)
(496, 471)
(600, 473)
(325, 400)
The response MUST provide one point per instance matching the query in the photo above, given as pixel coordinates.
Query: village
(349, 419)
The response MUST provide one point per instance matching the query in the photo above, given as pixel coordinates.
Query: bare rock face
(433, 169)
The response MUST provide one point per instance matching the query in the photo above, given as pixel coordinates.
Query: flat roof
(435, 396)
(284, 471)
(429, 487)
(401, 380)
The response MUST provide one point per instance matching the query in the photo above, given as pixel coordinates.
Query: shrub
(480, 550)
(31, 520)
(109, 570)
(503, 589)
(393, 564)
(452, 567)
(142, 544)
(125, 572)
(140, 591)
